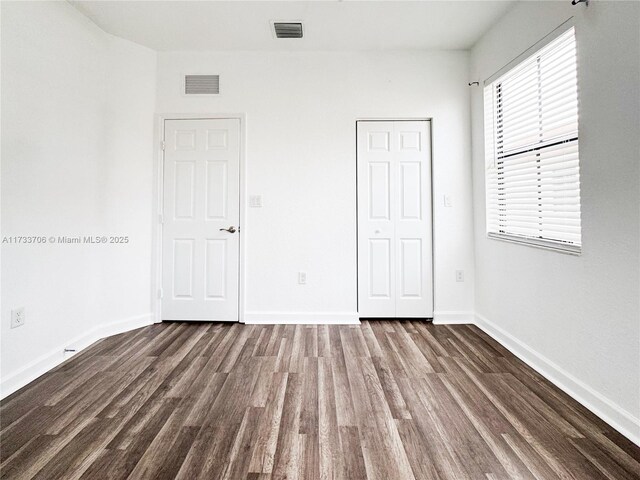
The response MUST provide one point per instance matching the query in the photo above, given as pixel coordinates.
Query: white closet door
(376, 219)
(394, 219)
(200, 257)
(412, 161)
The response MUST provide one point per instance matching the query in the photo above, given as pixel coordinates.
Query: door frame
(158, 198)
(433, 218)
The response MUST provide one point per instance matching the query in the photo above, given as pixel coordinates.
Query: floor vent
(288, 29)
(201, 84)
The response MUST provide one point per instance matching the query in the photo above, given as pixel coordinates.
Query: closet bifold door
(394, 219)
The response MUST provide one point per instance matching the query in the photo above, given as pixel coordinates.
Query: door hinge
(162, 145)
(159, 293)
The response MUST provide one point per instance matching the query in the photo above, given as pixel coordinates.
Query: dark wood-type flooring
(384, 400)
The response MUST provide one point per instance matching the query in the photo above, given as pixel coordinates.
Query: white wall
(77, 135)
(577, 318)
(301, 110)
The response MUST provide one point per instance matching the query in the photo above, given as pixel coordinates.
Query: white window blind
(531, 148)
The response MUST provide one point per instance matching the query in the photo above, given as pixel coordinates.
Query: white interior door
(201, 215)
(394, 219)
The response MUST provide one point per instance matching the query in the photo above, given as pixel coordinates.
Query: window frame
(548, 244)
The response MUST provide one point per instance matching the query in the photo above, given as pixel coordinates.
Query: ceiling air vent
(201, 84)
(288, 29)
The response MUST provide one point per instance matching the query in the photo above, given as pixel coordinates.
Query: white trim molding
(306, 318)
(453, 317)
(48, 361)
(623, 421)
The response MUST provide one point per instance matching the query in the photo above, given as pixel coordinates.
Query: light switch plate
(255, 201)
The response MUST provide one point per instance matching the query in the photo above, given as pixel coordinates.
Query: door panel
(410, 191)
(394, 219)
(379, 191)
(410, 268)
(380, 268)
(200, 263)
(185, 173)
(216, 262)
(216, 189)
(183, 268)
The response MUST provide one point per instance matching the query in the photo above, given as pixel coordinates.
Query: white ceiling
(328, 25)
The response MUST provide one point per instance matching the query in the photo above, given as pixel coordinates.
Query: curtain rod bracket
(576, 2)
(471, 84)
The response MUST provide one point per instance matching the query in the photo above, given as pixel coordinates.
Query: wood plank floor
(384, 400)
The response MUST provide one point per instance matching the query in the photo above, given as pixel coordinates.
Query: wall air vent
(288, 29)
(201, 84)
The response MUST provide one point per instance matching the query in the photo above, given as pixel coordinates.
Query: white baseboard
(309, 318)
(623, 421)
(46, 362)
(453, 318)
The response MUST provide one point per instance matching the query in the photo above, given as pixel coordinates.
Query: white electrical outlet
(302, 278)
(459, 275)
(17, 317)
(447, 202)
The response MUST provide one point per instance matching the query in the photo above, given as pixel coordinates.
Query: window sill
(538, 243)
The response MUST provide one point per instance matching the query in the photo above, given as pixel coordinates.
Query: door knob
(231, 229)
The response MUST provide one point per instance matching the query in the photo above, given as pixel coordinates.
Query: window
(531, 147)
